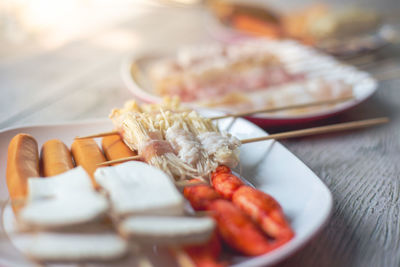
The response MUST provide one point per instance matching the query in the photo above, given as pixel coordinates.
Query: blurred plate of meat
(247, 75)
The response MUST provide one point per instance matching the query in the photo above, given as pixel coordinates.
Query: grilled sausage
(115, 148)
(87, 154)
(22, 163)
(55, 158)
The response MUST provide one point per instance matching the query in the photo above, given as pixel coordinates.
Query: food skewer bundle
(180, 142)
(185, 133)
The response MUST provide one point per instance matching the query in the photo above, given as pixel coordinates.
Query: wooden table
(80, 80)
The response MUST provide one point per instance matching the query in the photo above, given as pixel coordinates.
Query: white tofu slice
(168, 230)
(136, 188)
(76, 247)
(70, 182)
(64, 211)
(63, 200)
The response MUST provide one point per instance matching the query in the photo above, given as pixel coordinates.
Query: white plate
(296, 57)
(267, 165)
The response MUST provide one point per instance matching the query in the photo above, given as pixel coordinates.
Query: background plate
(267, 165)
(295, 56)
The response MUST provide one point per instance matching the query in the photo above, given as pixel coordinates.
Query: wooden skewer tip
(320, 130)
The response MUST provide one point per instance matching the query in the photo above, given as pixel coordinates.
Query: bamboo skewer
(182, 258)
(297, 133)
(320, 130)
(98, 135)
(241, 114)
(189, 183)
(275, 109)
(119, 160)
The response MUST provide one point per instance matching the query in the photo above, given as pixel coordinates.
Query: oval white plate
(267, 165)
(295, 56)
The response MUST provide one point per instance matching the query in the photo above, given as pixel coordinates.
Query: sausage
(206, 255)
(259, 206)
(265, 211)
(237, 230)
(87, 154)
(224, 182)
(22, 163)
(221, 169)
(115, 148)
(200, 196)
(55, 158)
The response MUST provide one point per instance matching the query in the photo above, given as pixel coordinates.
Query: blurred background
(67, 54)
(48, 24)
(61, 60)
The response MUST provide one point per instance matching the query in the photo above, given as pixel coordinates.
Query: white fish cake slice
(63, 200)
(136, 188)
(165, 230)
(59, 247)
(64, 211)
(70, 182)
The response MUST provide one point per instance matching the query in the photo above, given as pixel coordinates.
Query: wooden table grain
(81, 80)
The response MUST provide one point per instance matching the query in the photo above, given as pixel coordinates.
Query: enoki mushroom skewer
(247, 113)
(297, 133)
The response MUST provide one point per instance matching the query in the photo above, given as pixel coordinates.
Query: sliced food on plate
(92, 213)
